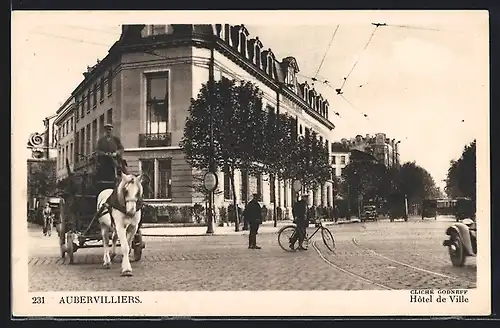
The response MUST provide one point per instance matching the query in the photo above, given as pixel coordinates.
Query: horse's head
(129, 192)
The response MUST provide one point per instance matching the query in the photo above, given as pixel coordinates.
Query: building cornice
(207, 41)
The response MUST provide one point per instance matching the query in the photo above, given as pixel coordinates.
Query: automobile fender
(463, 232)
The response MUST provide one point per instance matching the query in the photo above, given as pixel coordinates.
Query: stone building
(383, 149)
(144, 87)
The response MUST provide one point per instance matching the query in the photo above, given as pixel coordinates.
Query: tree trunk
(236, 216)
(275, 218)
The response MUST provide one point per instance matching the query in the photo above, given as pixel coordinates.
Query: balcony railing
(155, 139)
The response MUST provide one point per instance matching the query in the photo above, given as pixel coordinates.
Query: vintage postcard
(284, 163)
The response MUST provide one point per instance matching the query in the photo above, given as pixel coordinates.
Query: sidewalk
(265, 228)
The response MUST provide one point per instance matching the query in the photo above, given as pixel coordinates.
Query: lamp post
(210, 179)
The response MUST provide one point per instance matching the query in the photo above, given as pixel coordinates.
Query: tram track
(377, 270)
(352, 274)
(357, 243)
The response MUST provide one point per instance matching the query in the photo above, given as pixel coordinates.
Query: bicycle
(289, 232)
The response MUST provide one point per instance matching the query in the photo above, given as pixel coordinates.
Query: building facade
(144, 87)
(383, 149)
(64, 139)
(340, 156)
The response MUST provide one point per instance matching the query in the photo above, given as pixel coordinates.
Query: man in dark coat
(109, 153)
(300, 215)
(253, 214)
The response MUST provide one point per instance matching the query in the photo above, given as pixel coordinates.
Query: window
(290, 77)
(334, 159)
(88, 101)
(300, 130)
(101, 125)
(94, 96)
(227, 185)
(148, 168)
(244, 186)
(71, 124)
(77, 111)
(110, 116)
(82, 143)
(272, 191)
(342, 159)
(165, 181)
(257, 56)
(285, 198)
(94, 133)
(84, 103)
(77, 144)
(270, 68)
(101, 90)
(157, 104)
(159, 29)
(66, 153)
(71, 152)
(259, 184)
(67, 127)
(87, 140)
(110, 82)
(340, 171)
(62, 157)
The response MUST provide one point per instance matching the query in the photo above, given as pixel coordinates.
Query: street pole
(210, 225)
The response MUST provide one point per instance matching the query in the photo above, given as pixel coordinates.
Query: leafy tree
(416, 183)
(461, 177)
(41, 178)
(237, 128)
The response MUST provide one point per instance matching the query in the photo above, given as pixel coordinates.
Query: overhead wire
(93, 29)
(72, 39)
(326, 52)
(357, 60)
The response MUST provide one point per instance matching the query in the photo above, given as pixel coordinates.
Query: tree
(41, 178)
(416, 183)
(238, 127)
(363, 180)
(461, 177)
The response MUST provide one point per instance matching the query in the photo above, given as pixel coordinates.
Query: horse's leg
(131, 231)
(122, 235)
(114, 241)
(105, 244)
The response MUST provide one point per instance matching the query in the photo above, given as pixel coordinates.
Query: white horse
(121, 218)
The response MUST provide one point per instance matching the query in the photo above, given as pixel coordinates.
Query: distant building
(382, 149)
(340, 156)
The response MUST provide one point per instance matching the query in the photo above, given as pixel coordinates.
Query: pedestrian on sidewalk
(47, 213)
(300, 214)
(253, 214)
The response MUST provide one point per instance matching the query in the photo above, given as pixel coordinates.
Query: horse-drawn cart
(79, 225)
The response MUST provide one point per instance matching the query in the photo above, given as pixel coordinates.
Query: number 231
(37, 300)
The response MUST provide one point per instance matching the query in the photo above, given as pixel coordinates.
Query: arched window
(306, 93)
(243, 41)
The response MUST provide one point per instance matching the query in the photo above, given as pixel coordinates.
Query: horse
(120, 213)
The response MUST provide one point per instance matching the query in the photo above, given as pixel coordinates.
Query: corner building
(144, 87)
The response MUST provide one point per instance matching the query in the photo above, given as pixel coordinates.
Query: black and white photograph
(250, 163)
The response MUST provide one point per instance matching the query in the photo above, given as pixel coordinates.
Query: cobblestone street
(373, 255)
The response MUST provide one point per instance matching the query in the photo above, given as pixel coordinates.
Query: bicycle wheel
(328, 239)
(285, 236)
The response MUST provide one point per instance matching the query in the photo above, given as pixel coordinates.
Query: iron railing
(155, 139)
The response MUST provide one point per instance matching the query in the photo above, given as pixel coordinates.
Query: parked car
(369, 213)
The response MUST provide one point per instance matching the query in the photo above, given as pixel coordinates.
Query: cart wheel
(138, 246)
(69, 247)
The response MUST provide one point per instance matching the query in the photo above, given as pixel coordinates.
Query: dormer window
(290, 76)
(306, 93)
(243, 41)
(150, 30)
(257, 55)
(270, 66)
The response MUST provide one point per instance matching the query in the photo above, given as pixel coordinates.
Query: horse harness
(112, 202)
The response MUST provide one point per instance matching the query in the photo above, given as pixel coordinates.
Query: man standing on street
(300, 215)
(253, 215)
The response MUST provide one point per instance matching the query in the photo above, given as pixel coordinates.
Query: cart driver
(110, 151)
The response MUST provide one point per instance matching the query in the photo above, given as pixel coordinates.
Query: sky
(422, 79)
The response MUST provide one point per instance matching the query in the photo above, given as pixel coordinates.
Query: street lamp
(210, 179)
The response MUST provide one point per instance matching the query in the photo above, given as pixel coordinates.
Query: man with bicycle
(300, 215)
